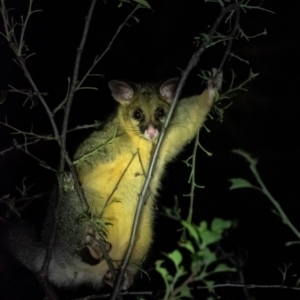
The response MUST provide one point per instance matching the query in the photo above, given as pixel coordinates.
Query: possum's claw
(93, 241)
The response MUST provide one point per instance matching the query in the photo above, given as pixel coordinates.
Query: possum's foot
(94, 245)
(127, 280)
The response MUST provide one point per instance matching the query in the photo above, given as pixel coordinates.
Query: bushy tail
(21, 240)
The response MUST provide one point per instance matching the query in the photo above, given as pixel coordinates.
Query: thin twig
(63, 153)
(251, 286)
(98, 58)
(184, 284)
(217, 286)
(193, 183)
(94, 151)
(231, 37)
(118, 182)
(263, 189)
(137, 293)
(84, 127)
(17, 146)
(27, 133)
(40, 97)
(238, 264)
(41, 162)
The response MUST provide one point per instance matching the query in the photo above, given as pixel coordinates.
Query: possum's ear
(121, 91)
(168, 88)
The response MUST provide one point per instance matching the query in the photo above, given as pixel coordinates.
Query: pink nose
(151, 132)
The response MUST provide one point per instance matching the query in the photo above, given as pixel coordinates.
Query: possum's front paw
(127, 280)
(95, 244)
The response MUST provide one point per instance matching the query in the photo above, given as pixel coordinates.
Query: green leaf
(188, 245)
(196, 265)
(238, 183)
(136, 19)
(223, 268)
(219, 225)
(209, 237)
(180, 271)
(292, 243)
(217, 96)
(176, 257)
(191, 229)
(210, 284)
(205, 37)
(203, 226)
(185, 292)
(144, 3)
(243, 153)
(162, 271)
(207, 256)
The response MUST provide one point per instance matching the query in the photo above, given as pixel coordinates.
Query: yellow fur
(112, 177)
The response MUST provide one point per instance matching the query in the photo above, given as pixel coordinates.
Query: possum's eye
(138, 114)
(160, 113)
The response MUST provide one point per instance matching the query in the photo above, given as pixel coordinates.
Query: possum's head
(143, 107)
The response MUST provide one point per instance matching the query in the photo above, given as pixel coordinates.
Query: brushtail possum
(112, 164)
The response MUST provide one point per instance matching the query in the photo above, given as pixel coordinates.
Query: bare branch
(97, 124)
(27, 133)
(216, 286)
(41, 162)
(98, 58)
(231, 36)
(103, 296)
(18, 146)
(251, 286)
(63, 154)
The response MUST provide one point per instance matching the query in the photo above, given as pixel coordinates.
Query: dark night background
(262, 121)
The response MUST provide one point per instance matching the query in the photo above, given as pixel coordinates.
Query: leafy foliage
(203, 262)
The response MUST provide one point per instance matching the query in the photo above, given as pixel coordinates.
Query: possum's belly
(112, 191)
(119, 181)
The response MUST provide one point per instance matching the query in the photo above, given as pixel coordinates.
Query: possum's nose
(151, 132)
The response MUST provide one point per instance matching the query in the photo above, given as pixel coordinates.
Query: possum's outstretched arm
(189, 117)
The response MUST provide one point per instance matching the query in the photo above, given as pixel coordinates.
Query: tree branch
(98, 58)
(251, 286)
(63, 154)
